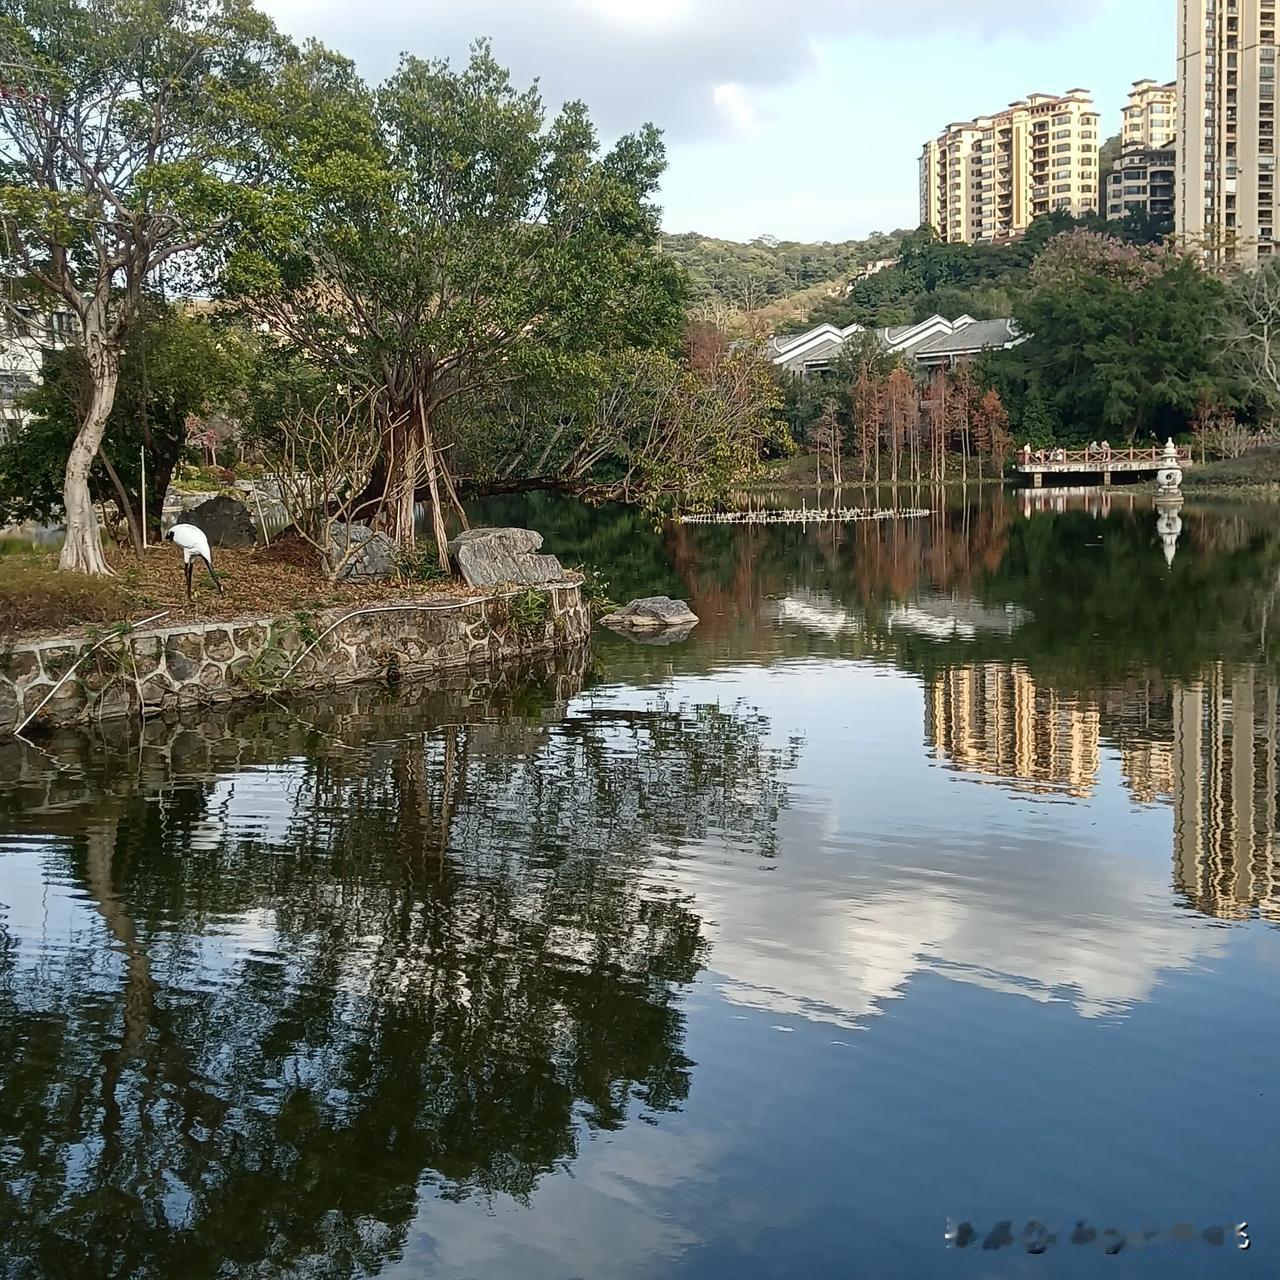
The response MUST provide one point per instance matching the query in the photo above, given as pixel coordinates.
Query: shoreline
(131, 672)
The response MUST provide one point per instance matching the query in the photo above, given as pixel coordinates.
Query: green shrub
(529, 610)
(595, 590)
(420, 565)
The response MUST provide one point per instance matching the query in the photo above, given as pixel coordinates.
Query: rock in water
(652, 614)
(370, 557)
(225, 522)
(495, 557)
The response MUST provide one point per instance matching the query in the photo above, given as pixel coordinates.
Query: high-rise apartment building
(1151, 117)
(1226, 194)
(1144, 176)
(986, 180)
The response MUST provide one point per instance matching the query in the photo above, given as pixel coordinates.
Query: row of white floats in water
(803, 515)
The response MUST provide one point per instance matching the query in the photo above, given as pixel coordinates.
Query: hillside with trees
(982, 280)
(1127, 340)
(727, 277)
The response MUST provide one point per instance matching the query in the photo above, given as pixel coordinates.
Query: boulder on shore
(369, 556)
(653, 613)
(496, 557)
(225, 522)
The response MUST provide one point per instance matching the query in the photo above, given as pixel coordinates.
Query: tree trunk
(124, 502)
(401, 451)
(82, 550)
(434, 466)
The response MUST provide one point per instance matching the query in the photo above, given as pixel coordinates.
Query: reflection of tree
(446, 953)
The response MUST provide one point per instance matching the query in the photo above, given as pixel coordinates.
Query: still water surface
(934, 877)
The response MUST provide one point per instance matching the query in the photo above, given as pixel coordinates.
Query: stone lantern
(1169, 477)
(1169, 502)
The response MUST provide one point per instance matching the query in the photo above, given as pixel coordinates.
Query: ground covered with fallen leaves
(36, 599)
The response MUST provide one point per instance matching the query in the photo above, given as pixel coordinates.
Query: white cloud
(735, 105)
(661, 15)
(638, 60)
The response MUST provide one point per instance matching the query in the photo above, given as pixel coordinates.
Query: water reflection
(991, 719)
(714, 958)
(325, 979)
(1207, 747)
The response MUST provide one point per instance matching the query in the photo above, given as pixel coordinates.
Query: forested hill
(747, 277)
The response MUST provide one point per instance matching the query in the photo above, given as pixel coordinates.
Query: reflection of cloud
(812, 611)
(1080, 928)
(951, 617)
(938, 617)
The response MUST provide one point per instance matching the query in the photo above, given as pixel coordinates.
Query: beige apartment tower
(986, 180)
(1226, 197)
(1144, 177)
(1151, 117)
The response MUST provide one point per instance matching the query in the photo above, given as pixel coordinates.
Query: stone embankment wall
(156, 669)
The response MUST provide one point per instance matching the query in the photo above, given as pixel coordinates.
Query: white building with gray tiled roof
(932, 343)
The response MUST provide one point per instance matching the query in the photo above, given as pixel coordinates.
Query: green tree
(1122, 336)
(126, 145)
(453, 242)
(176, 364)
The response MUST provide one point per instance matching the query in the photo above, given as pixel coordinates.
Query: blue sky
(802, 121)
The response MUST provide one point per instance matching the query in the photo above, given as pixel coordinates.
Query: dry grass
(36, 599)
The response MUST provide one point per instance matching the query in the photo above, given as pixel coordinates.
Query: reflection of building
(1211, 748)
(1226, 745)
(1148, 770)
(992, 719)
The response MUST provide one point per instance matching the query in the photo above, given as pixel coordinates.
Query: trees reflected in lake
(295, 993)
(287, 990)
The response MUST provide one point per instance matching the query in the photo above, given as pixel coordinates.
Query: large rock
(496, 557)
(369, 556)
(653, 613)
(225, 522)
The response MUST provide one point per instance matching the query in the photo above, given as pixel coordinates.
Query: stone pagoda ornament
(1169, 477)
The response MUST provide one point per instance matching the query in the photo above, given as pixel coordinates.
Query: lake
(933, 880)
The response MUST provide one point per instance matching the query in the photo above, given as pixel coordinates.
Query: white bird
(195, 546)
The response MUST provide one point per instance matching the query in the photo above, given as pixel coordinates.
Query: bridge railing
(1101, 458)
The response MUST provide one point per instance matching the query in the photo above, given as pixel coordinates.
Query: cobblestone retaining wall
(158, 669)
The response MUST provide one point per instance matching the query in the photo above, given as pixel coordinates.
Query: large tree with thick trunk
(452, 241)
(127, 144)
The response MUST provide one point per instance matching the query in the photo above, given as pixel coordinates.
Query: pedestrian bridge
(1104, 463)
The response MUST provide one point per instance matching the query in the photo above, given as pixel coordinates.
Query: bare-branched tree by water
(322, 456)
(640, 426)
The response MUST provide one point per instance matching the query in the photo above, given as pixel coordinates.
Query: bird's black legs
(216, 581)
(186, 570)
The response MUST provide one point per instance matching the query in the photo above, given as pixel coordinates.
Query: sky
(801, 121)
